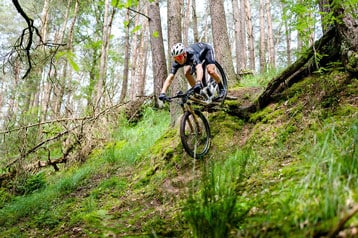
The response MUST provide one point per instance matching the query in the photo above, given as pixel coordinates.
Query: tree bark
(221, 40)
(263, 40)
(142, 60)
(270, 37)
(174, 36)
(347, 37)
(134, 59)
(186, 22)
(195, 21)
(126, 61)
(243, 33)
(159, 64)
(250, 36)
(239, 47)
(287, 34)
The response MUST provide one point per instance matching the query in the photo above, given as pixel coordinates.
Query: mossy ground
(145, 198)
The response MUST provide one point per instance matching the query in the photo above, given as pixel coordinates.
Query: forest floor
(144, 191)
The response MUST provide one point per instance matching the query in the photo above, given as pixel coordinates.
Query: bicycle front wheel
(195, 134)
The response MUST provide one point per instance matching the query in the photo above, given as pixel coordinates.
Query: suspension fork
(188, 107)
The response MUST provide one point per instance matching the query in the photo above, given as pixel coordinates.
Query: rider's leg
(212, 72)
(189, 77)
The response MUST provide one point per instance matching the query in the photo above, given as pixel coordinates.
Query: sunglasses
(179, 57)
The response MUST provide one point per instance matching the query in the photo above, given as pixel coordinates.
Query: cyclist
(191, 59)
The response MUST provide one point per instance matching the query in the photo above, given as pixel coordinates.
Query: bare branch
(139, 13)
(26, 39)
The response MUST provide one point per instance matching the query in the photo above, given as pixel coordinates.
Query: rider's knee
(187, 73)
(211, 70)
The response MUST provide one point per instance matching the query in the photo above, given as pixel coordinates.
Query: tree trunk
(101, 84)
(186, 22)
(221, 40)
(46, 84)
(243, 33)
(347, 38)
(134, 59)
(68, 79)
(126, 62)
(262, 49)
(142, 59)
(205, 33)
(270, 40)
(159, 64)
(175, 36)
(63, 88)
(239, 50)
(195, 21)
(287, 34)
(250, 35)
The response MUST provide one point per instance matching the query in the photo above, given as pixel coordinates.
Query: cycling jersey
(196, 53)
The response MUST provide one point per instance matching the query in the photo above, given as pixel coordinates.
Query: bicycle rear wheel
(208, 81)
(195, 134)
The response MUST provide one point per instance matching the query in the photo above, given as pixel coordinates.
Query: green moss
(267, 115)
(300, 170)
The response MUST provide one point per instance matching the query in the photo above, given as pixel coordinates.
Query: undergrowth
(129, 143)
(289, 171)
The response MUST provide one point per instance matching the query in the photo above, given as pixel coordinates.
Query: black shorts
(210, 56)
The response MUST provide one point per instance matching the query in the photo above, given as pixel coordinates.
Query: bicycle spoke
(195, 135)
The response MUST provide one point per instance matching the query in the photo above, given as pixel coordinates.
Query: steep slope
(292, 166)
(273, 199)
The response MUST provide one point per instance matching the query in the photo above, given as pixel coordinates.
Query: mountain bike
(195, 132)
(194, 127)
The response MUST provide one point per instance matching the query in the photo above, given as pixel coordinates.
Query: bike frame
(186, 106)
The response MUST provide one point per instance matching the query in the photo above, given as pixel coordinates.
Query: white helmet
(177, 49)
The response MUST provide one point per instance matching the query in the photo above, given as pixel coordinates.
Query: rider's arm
(167, 82)
(199, 72)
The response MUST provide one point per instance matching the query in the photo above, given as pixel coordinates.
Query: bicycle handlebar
(180, 94)
(189, 95)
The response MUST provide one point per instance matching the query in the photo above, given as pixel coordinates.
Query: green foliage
(70, 57)
(295, 173)
(68, 184)
(301, 16)
(213, 210)
(155, 34)
(136, 28)
(31, 183)
(46, 219)
(332, 159)
(124, 4)
(127, 149)
(260, 80)
(132, 142)
(5, 197)
(111, 187)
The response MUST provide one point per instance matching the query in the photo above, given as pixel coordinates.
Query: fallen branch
(334, 232)
(63, 159)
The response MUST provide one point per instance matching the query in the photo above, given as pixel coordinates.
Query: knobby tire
(195, 135)
(206, 77)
